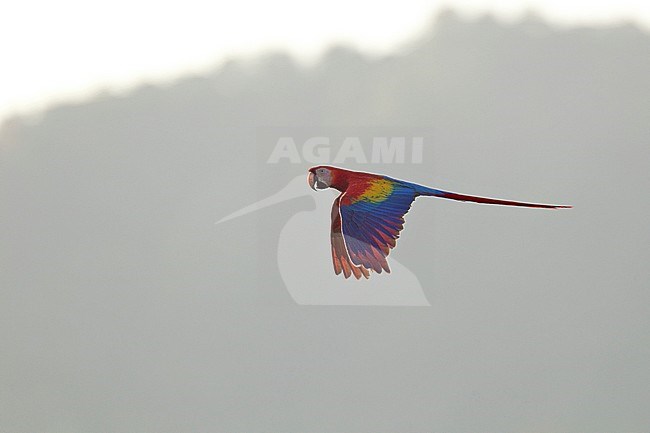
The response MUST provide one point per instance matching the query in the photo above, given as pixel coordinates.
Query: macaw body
(368, 215)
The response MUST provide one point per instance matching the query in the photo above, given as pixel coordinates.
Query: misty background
(123, 308)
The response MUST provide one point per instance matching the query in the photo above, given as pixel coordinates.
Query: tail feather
(426, 191)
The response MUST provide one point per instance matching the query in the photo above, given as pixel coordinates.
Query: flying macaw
(368, 215)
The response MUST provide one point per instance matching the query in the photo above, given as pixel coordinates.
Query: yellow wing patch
(378, 191)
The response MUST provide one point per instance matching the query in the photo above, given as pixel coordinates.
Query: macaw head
(320, 177)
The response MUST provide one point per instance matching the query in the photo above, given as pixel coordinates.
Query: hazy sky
(70, 48)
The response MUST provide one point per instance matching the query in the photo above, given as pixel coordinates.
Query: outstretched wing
(340, 256)
(371, 222)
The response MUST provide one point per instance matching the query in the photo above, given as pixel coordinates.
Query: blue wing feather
(371, 228)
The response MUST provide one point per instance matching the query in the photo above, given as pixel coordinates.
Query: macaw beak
(311, 180)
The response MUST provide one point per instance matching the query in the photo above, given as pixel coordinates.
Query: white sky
(68, 49)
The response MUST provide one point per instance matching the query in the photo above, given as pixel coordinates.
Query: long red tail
(487, 200)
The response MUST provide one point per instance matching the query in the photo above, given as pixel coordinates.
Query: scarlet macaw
(368, 215)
